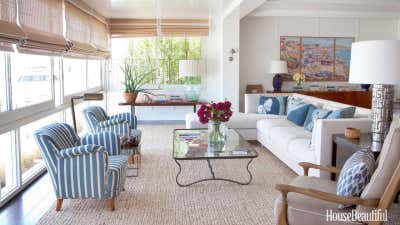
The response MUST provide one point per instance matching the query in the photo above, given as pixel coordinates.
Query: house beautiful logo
(355, 216)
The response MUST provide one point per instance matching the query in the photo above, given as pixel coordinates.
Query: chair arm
(109, 140)
(127, 117)
(110, 122)
(325, 196)
(79, 150)
(306, 166)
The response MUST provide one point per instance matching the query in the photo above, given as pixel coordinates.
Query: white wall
(259, 41)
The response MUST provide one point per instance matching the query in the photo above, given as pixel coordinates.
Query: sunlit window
(7, 171)
(3, 91)
(30, 79)
(31, 159)
(94, 73)
(74, 75)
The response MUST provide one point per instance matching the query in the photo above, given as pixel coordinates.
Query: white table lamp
(277, 67)
(190, 68)
(377, 63)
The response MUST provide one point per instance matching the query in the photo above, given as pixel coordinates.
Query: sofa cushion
(272, 105)
(355, 174)
(299, 149)
(237, 121)
(297, 113)
(303, 210)
(347, 112)
(313, 115)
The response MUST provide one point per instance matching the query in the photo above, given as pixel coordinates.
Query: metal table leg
(213, 175)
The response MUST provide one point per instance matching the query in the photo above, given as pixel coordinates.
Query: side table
(348, 147)
(134, 159)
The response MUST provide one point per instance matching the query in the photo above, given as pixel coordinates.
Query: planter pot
(130, 97)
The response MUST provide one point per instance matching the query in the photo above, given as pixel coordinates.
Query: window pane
(31, 160)
(94, 73)
(31, 79)
(81, 126)
(7, 172)
(74, 75)
(3, 91)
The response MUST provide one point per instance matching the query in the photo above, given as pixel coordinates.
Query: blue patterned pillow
(297, 112)
(355, 174)
(313, 114)
(343, 113)
(272, 105)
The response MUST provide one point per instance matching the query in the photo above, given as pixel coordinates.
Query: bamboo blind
(42, 22)
(148, 27)
(100, 37)
(10, 33)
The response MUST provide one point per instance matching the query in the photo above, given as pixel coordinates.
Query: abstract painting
(318, 58)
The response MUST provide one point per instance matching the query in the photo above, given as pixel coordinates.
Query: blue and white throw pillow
(355, 175)
(313, 114)
(342, 113)
(297, 112)
(272, 105)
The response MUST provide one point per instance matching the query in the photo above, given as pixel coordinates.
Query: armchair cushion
(304, 210)
(79, 150)
(355, 174)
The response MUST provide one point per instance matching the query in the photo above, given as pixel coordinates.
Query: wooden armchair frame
(384, 203)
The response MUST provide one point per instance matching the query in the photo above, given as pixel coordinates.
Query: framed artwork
(318, 58)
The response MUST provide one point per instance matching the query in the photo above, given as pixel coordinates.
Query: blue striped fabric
(97, 120)
(109, 140)
(80, 168)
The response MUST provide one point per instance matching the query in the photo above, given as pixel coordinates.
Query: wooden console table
(167, 103)
(356, 98)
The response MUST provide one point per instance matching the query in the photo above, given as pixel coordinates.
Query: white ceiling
(346, 8)
(195, 9)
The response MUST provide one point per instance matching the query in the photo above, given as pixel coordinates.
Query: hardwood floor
(27, 207)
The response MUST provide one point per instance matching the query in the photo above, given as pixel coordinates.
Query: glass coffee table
(192, 144)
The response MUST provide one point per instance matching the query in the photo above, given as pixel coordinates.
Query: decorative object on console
(299, 79)
(272, 105)
(351, 132)
(84, 97)
(376, 62)
(365, 87)
(318, 58)
(215, 114)
(191, 71)
(254, 89)
(355, 175)
(278, 67)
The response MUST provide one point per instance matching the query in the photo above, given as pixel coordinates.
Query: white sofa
(291, 143)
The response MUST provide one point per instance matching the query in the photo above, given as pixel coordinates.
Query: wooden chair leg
(110, 203)
(59, 204)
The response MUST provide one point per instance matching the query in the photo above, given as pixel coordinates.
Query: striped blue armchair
(123, 124)
(80, 168)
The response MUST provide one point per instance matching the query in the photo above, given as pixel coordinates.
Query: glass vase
(216, 134)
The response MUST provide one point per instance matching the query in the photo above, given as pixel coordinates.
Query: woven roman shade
(184, 27)
(10, 32)
(148, 27)
(78, 31)
(133, 27)
(100, 38)
(42, 23)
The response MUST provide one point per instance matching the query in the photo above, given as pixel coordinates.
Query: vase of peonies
(299, 79)
(215, 114)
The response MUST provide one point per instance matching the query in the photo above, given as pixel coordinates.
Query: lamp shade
(278, 67)
(375, 62)
(190, 68)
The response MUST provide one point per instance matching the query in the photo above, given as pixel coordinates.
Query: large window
(94, 73)
(160, 55)
(7, 164)
(3, 90)
(30, 79)
(74, 75)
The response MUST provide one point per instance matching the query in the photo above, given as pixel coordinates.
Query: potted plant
(134, 80)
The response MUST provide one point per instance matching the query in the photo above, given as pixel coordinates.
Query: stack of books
(175, 98)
